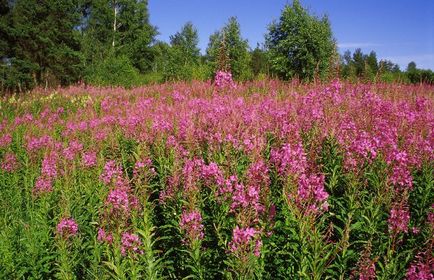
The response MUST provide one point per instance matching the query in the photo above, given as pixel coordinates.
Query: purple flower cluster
(246, 197)
(67, 227)
(72, 150)
(257, 174)
(89, 159)
(144, 168)
(430, 217)
(118, 202)
(399, 219)
(422, 268)
(43, 185)
(420, 271)
(110, 173)
(311, 192)
(367, 271)
(245, 240)
(5, 140)
(290, 159)
(35, 143)
(400, 175)
(9, 163)
(212, 174)
(130, 243)
(191, 224)
(191, 173)
(104, 237)
(49, 165)
(223, 80)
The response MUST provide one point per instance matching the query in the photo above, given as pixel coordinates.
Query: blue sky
(399, 30)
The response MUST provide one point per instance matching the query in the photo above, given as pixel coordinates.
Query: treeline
(111, 42)
(360, 66)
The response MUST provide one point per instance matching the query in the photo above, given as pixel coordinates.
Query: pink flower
(67, 228)
(311, 192)
(35, 143)
(212, 174)
(401, 177)
(246, 197)
(49, 165)
(245, 240)
(290, 159)
(104, 237)
(110, 172)
(367, 272)
(399, 219)
(224, 80)
(9, 163)
(5, 140)
(42, 185)
(430, 217)
(118, 200)
(144, 167)
(257, 174)
(89, 159)
(422, 268)
(130, 243)
(72, 150)
(191, 224)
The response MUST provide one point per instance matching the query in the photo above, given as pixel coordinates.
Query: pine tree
(45, 48)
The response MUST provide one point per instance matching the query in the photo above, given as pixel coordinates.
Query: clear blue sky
(399, 30)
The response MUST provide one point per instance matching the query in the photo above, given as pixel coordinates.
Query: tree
(183, 55)
(411, 66)
(120, 28)
(45, 47)
(300, 44)
(347, 65)
(5, 45)
(236, 47)
(371, 61)
(389, 66)
(359, 62)
(259, 62)
(186, 41)
(135, 33)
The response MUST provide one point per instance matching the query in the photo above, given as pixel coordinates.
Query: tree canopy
(237, 49)
(300, 44)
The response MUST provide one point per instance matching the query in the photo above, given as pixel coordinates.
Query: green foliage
(327, 245)
(186, 41)
(360, 66)
(183, 56)
(119, 27)
(113, 71)
(259, 62)
(53, 42)
(43, 47)
(416, 75)
(234, 47)
(300, 45)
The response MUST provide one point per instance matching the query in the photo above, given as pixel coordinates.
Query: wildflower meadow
(224, 180)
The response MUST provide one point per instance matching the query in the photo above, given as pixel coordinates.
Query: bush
(113, 71)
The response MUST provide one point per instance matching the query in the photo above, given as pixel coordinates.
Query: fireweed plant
(261, 180)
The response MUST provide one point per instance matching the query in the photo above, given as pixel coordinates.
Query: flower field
(263, 180)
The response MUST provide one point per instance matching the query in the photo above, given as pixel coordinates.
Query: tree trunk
(114, 24)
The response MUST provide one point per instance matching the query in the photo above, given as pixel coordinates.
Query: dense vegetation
(266, 180)
(288, 161)
(100, 42)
